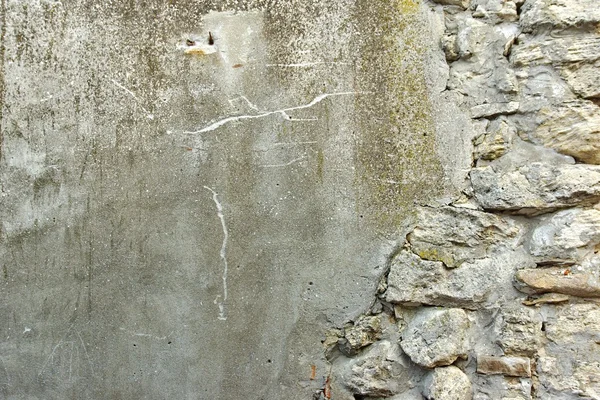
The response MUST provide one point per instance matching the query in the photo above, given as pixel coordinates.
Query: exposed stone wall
(495, 295)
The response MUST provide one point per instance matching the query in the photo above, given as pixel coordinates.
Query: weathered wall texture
(183, 220)
(494, 295)
(337, 199)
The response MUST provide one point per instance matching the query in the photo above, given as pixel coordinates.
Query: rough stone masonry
(296, 199)
(495, 295)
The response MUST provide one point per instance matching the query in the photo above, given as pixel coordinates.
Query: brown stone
(559, 280)
(547, 298)
(510, 366)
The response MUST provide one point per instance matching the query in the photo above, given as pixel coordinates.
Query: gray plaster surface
(187, 226)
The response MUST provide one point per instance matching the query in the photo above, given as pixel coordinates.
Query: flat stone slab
(536, 188)
(494, 109)
(509, 366)
(559, 280)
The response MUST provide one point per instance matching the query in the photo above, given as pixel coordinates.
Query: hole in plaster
(544, 326)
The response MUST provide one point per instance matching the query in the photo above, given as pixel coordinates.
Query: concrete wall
(178, 225)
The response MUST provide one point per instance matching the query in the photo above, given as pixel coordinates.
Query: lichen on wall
(398, 156)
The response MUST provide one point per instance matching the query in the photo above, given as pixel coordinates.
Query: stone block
(565, 237)
(473, 285)
(572, 128)
(509, 366)
(447, 383)
(536, 188)
(494, 109)
(559, 14)
(454, 235)
(559, 280)
(436, 337)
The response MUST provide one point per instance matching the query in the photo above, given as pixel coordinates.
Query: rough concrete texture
(185, 215)
(259, 199)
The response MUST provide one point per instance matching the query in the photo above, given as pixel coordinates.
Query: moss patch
(397, 161)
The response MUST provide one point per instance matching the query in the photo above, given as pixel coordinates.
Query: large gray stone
(518, 330)
(454, 235)
(576, 327)
(436, 337)
(583, 79)
(376, 373)
(569, 364)
(566, 236)
(496, 141)
(536, 188)
(364, 331)
(447, 383)
(559, 13)
(572, 128)
(473, 285)
(482, 71)
(538, 50)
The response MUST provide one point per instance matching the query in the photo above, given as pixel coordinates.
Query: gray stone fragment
(472, 285)
(376, 373)
(566, 236)
(494, 109)
(583, 79)
(436, 337)
(509, 366)
(536, 188)
(447, 383)
(496, 141)
(366, 330)
(573, 128)
(559, 13)
(454, 235)
(519, 330)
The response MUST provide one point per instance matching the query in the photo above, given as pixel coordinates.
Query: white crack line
(307, 64)
(223, 253)
(132, 333)
(283, 112)
(148, 113)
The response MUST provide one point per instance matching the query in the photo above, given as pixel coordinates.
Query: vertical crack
(221, 300)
